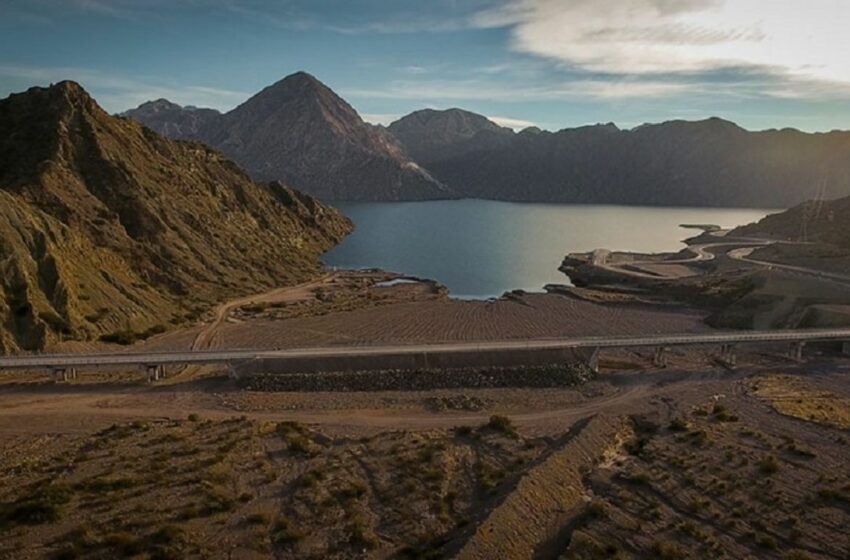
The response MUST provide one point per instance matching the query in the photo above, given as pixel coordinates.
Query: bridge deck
(48, 361)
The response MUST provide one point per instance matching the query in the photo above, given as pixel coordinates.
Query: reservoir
(482, 248)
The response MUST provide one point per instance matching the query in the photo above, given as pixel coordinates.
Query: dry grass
(792, 396)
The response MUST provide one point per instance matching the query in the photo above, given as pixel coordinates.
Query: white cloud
(509, 122)
(116, 93)
(806, 40)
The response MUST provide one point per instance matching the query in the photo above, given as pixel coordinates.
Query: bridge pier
(659, 357)
(154, 372)
(593, 361)
(727, 355)
(845, 348)
(63, 373)
(795, 351)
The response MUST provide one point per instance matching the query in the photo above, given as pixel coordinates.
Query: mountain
(705, 163)
(107, 228)
(170, 119)
(430, 136)
(300, 132)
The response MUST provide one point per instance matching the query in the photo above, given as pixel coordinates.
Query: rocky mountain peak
(299, 131)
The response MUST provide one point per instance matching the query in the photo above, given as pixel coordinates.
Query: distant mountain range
(298, 130)
(706, 163)
(107, 228)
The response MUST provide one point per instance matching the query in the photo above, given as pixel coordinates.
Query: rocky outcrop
(300, 132)
(106, 227)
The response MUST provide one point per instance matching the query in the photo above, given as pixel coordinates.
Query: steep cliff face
(105, 226)
(300, 132)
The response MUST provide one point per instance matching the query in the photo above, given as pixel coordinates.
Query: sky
(547, 63)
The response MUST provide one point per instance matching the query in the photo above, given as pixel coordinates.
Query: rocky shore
(554, 375)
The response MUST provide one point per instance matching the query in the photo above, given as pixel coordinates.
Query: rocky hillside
(172, 120)
(301, 132)
(108, 229)
(813, 221)
(706, 163)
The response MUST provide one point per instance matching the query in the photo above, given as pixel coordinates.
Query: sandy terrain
(443, 320)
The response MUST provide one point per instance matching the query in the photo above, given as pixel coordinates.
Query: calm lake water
(482, 248)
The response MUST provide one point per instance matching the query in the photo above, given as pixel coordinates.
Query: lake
(481, 248)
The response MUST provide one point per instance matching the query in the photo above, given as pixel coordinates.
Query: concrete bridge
(426, 356)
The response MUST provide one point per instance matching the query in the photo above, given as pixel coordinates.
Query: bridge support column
(155, 372)
(593, 360)
(727, 355)
(845, 348)
(59, 374)
(795, 351)
(659, 358)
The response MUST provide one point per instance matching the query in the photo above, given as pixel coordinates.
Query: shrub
(502, 424)
(766, 541)
(362, 535)
(257, 519)
(678, 425)
(44, 505)
(167, 534)
(768, 465)
(126, 542)
(284, 533)
(463, 430)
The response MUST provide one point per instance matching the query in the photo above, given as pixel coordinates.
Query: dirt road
(204, 339)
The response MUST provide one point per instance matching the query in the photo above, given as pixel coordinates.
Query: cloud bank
(805, 41)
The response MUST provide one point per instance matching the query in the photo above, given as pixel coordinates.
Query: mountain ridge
(299, 131)
(712, 162)
(708, 162)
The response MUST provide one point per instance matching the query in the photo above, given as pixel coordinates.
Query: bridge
(451, 354)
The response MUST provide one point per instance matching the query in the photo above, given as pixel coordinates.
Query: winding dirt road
(740, 250)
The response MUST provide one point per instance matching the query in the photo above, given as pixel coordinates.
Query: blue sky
(552, 63)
